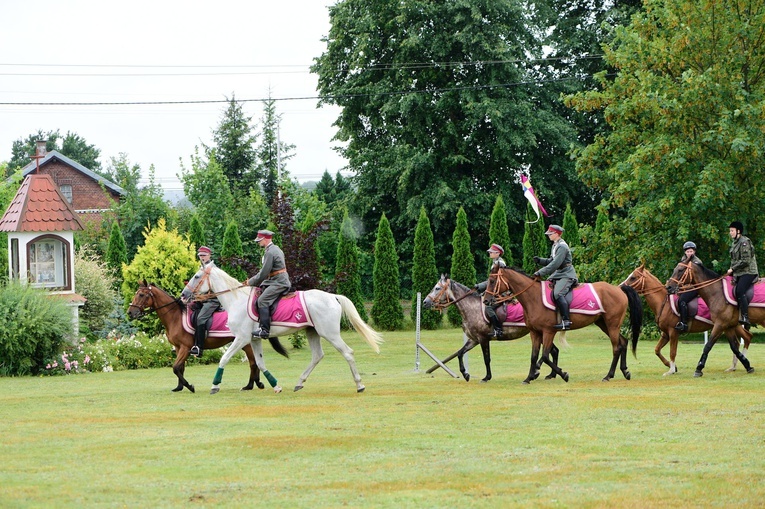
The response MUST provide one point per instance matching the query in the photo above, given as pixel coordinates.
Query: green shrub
(33, 326)
(386, 309)
(94, 281)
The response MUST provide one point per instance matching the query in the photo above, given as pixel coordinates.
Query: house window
(66, 191)
(49, 263)
(15, 259)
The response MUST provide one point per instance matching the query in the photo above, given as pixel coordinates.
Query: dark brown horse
(169, 310)
(477, 330)
(541, 321)
(656, 295)
(694, 276)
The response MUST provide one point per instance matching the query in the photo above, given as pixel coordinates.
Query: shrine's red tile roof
(39, 206)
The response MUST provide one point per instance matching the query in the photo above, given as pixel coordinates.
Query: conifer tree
(386, 309)
(571, 228)
(424, 271)
(463, 263)
(535, 242)
(196, 233)
(347, 276)
(499, 232)
(116, 252)
(231, 255)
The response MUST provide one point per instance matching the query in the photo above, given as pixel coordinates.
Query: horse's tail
(370, 335)
(277, 345)
(636, 314)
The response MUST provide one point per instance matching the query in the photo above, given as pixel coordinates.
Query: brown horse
(694, 276)
(541, 321)
(477, 330)
(657, 297)
(169, 310)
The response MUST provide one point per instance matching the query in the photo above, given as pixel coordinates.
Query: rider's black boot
(565, 321)
(682, 325)
(264, 317)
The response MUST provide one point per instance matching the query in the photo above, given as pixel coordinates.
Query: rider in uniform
(743, 268)
(684, 298)
(495, 253)
(558, 266)
(273, 278)
(209, 306)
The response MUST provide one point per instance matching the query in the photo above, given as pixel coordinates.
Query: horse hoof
(606, 379)
(627, 375)
(550, 376)
(750, 370)
(260, 385)
(298, 387)
(466, 376)
(215, 390)
(191, 388)
(698, 374)
(535, 376)
(564, 376)
(484, 380)
(361, 389)
(730, 370)
(277, 389)
(526, 382)
(246, 388)
(177, 389)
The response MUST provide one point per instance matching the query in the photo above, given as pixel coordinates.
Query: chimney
(41, 150)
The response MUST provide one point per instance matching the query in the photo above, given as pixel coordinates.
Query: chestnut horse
(541, 321)
(694, 276)
(169, 310)
(477, 330)
(656, 295)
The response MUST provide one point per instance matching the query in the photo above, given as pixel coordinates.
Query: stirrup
(681, 326)
(195, 351)
(564, 325)
(497, 333)
(261, 333)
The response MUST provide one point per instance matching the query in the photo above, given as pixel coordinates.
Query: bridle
(500, 279)
(210, 294)
(686, 280)
(143, 311)
(640, 285)
(441, 300)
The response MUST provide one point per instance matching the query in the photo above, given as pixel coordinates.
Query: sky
(79, 51)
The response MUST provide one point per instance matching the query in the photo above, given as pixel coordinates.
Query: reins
(209, 294)
(496, 293)
(690, 286)
(145, 311)
(443, 305)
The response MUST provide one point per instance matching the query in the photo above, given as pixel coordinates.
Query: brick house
(40, 224)
(87, 192)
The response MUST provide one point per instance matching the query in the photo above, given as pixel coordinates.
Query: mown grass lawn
(123, 439)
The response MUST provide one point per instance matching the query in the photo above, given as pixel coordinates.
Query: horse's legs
(346, 352)
(536, 342)
(317, 354)
(616, 348)
(461, 357)
(554, 354)
(486, 349)
(179, 366)
(548, 344)
(716, 331)
(254, 371)
(733, 342)
(663, 340)
(623, 345)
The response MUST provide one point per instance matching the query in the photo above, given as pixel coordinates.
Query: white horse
(326, 310)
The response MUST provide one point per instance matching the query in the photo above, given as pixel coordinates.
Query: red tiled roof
(39, 207)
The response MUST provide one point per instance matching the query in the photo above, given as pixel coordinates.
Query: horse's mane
(518, 270)
(708, 272)
(181, 305)
(230, 282)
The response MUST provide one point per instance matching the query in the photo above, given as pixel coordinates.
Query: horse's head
(636, 279)
(143, 300)
(687, 274)
(498, 283)
(441, 295)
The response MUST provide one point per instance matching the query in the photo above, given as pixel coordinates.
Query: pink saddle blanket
(758, 300)
(585, 301)
(291, 310)
(219, 326)
(702, 314)
(514, 312)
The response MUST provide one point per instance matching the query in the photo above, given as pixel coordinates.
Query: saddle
(509, 313)
(697, 309)
(755, 293)
(289, 310)
(581, 299)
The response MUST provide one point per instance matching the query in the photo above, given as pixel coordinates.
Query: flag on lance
(530, 195)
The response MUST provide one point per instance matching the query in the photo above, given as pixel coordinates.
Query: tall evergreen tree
(463, 262)
(234, 148)
(347, 276)
(499, 232)
(231, 253)
(424, 271)
(535, 242)
(272, 153)
(386, 309)
(196, 233)
(73, 146)
(116, 253)
(571, 228)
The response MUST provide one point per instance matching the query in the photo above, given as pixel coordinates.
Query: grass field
(122, 439)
